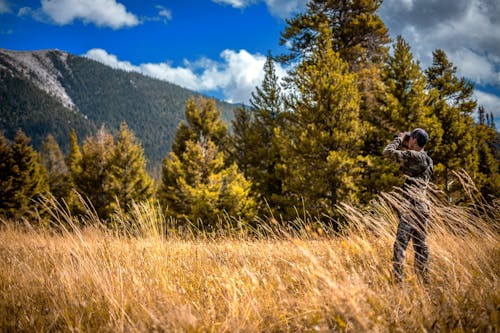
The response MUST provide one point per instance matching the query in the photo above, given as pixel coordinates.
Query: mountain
(51, 92)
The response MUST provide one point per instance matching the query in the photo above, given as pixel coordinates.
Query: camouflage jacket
(416, 165)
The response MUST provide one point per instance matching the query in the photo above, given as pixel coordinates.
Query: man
(417, 167)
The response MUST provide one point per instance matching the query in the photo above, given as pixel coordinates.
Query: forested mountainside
(51, 92)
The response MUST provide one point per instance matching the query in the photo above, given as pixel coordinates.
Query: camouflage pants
(412, 227)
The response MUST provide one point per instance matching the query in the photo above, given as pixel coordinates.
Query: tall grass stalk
(142, 274)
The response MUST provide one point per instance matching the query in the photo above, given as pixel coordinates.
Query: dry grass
(94, 279)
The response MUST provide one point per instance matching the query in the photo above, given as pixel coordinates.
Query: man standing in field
(417, 166)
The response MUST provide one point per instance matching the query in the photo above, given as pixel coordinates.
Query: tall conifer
(358, 33)
(53, 159)
(322, 149)
(7, 189)
(254, 140)
(26, 180)
(486, 137)
(129, 181)
(452, 104)
(91, 174)
(197, 184)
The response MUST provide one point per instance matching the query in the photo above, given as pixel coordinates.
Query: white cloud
(4, 7)
(103, 13)
(235, 3)
(490, 102)
(278, 8)
(165, 13)
(235, 76)
(477, 68)
(110, 59)
(467, 30)
(285, 8)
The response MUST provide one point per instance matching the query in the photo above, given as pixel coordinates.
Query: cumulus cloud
(103, 13)
(234, 76)
(236, 3)
(165, 13)
(490, 102)
(467, 30)
(278, 8)
(111, 60)
(4, 7)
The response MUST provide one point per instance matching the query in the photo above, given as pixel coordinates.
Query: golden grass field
(95, 279)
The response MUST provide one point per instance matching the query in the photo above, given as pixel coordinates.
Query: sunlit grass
(91, 278)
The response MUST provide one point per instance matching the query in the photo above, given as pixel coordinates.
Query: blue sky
(218, 47)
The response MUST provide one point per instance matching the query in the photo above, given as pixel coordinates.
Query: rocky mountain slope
(51, 91)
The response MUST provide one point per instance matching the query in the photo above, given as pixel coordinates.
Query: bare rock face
(38, 67)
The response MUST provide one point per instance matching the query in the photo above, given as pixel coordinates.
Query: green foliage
(92, 176)
(197, 184)
(321, 148)
(102, 95)
(488, 178)
(110, 174)
(129, 181)
(23, 178)
(405, 105)
(203, 120)
(255, 146)
(25, 106)
(151, 107)
(358, 33)
(402, 102)
(58, 173)
(455, 147)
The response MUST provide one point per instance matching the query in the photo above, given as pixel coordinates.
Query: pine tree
(74, 155)
(405, 106)
(358, 33)
(243, 139)
(53, 159)
(322, 149)
(402, 102)
(128, 180)
(452, 104)
(7, 189)
(360, 37)
(202, 120)
(255, 145)
(26, 180)
(488, 178)
(197, 184)
(91, 174)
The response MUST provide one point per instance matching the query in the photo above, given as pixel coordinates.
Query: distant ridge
(51, 91)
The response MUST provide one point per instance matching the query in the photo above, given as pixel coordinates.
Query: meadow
(80, 276)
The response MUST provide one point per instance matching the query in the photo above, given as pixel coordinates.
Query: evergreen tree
(129, 181)
(243, 140)
(488, 178)
(406, 105)
(360, 37)
(91, 174)
(203, 119)
(358, 33)
(197, 184)
(74, 155)
(322, 149)
(53, 159)
(452, 104)
(26, 179)
(402, 102)
(7, 189)
(255, 145)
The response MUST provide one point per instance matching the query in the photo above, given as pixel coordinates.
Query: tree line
(306, 143)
